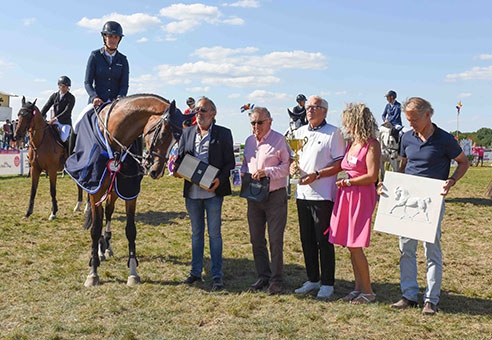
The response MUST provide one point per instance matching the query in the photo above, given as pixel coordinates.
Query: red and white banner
(14, 162)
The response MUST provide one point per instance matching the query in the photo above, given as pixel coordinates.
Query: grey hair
(260, 109)
(323, 101)
(418, 104)
(208, 100)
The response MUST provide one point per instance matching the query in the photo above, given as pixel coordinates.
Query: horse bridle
(148, 157)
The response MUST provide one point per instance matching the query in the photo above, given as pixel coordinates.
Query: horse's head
(159, 137)
(25, 116)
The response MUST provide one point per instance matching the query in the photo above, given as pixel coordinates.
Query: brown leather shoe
(429, 308)
(275, 288)
(259, 285)
(404, 303)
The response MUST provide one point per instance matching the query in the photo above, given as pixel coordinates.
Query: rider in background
(191, 107)
(392, 111)
(62, 103)
(298, 113)
(107, 73)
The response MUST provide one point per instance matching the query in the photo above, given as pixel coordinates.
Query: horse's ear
(34, 102)
(172, 107)
(23, 100)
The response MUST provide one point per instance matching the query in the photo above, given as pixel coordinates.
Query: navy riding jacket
(62, 109)
(104, 80)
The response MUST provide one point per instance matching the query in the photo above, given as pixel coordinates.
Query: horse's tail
(88, 219)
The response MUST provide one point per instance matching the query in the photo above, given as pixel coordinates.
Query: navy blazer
(62, 108)
(220, 155)
(104, 80)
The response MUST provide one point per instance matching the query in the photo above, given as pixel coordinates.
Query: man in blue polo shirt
(427, 151)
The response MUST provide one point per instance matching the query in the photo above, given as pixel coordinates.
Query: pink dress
(350, 224)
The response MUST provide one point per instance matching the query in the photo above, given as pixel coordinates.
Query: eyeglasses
(259, 122)
(313, 107)
(201, 109)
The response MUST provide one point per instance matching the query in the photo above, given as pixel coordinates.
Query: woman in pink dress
(350, 224)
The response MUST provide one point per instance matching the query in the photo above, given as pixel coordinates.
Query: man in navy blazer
(213, 145)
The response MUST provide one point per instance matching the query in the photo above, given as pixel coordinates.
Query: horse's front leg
(131, 235)
(54, 203)
(97, 220)
(35, 174)
(105, 249)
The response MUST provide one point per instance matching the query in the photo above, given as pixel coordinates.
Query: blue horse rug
(88, 165)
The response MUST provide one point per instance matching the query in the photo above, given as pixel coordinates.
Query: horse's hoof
(52, 217)
(133, 280)
(92, 280)
(109, 253)
(77, 207)
(102, 257)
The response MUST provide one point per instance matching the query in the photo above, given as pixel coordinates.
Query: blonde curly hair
(359, 119)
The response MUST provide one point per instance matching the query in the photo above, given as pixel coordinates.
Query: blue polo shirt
(431, 158)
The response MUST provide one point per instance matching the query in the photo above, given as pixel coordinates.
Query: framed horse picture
(410, 206)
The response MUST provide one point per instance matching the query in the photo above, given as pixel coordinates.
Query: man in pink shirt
(266, 155)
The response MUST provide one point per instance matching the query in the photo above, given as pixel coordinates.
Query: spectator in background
(7, 134)
(266, 155)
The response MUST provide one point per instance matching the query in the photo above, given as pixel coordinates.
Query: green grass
(44, 264)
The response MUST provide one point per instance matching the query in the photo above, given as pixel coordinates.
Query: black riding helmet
(64, 80)
(301, 98)
(390, 93)
(112, 27)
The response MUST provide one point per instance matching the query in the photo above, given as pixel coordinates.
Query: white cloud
(186, 18)
(485, 56)
(476, 73)
(244, 3)
(241, 67)
(199, 89)
(142, 40)
(233, 21)
(28, 21)
(264, 96)
(135, 23)
(464, 95)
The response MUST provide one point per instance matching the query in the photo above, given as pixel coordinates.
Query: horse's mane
(148, 95)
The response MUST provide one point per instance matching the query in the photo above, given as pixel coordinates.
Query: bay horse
(45, 153)
(122, 122)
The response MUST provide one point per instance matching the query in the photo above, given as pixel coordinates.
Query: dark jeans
(270, 215)
(319, 254)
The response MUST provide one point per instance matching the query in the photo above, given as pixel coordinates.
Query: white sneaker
(325, 292)
(307, 287)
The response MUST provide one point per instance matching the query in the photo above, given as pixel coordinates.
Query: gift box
(196, 171)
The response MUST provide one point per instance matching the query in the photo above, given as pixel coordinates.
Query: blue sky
(263, 52)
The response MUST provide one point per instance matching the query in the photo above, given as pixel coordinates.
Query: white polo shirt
(325, 145)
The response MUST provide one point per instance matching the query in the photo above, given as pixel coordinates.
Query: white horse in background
(390, 148)
(403, 199)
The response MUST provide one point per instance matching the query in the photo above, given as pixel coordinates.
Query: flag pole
(458, 108)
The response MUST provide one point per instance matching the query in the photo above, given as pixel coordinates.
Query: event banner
(14, 163)
(410, 206)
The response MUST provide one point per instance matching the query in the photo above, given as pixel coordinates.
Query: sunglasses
(260, 122)
(201, 109)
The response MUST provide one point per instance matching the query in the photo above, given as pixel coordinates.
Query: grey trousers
(269, 215)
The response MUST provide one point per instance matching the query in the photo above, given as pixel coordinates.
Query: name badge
(353, 160)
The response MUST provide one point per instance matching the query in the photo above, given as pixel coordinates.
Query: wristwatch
(347, 182)
(318, 176)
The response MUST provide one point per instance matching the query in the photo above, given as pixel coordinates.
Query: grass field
(44, 264)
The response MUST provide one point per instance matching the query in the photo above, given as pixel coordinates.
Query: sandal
(352, 295)
(363, 299)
